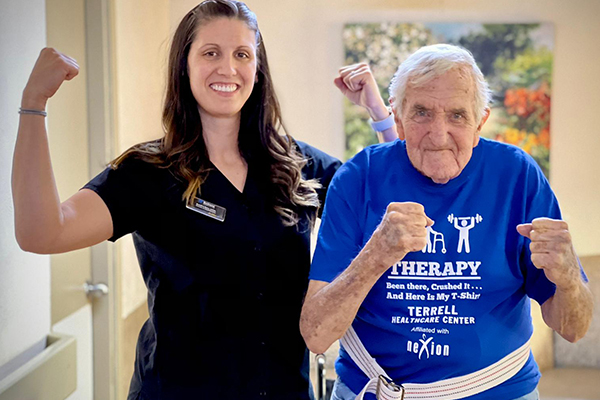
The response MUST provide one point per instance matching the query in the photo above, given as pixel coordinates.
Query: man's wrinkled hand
(552, 250)
(403, 229)
(358, 84)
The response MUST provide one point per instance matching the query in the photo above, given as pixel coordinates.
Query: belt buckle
(390, 385)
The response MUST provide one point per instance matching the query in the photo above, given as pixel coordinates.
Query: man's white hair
(428, 63)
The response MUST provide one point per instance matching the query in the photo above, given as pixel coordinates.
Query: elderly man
(431, 247)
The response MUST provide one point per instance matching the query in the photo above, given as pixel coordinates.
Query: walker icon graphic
(437, 237)
(464, 225)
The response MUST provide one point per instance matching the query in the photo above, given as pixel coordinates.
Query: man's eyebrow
(460, 110)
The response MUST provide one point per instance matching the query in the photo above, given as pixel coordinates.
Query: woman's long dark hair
(183, 151)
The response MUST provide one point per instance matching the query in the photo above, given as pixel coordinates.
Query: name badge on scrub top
(209, 209)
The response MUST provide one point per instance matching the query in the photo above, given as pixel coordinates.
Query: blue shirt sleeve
(340, 236)
(541, 202)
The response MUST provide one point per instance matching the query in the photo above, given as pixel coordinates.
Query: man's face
(440, 125)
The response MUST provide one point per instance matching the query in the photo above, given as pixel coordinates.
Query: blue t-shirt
(462, 303)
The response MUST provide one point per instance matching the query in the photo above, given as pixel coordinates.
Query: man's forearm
(388, 135)
(378, 113)
(329, 309)
(569, 311)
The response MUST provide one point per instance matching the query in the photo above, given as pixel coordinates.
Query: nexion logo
(426, 347)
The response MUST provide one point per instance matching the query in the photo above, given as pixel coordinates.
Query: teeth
(224, 88)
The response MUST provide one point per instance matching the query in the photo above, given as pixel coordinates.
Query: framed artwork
(516, 60)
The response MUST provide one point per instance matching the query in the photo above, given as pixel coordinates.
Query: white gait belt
(459, 387)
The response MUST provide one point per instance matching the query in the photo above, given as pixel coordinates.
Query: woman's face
(222, 67)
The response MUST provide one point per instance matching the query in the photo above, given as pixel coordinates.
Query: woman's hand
(51, 69)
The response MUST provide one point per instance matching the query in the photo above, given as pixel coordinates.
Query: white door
(90, 130)
(78, 122)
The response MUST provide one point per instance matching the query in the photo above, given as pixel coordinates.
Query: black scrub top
(224, 297)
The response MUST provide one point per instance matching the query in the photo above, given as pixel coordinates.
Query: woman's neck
(221, 137)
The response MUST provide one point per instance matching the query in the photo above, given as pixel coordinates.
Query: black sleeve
(320, 166)
(124, 190)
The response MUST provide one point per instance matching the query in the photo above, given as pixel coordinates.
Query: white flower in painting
(360, 33)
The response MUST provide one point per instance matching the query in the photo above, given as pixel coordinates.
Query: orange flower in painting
(524, 102)
(511, 135)
(517, 102)
(530, 142)
(544, 138)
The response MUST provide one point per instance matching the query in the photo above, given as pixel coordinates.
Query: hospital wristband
(384, 124)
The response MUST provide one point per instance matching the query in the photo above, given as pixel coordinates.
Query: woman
(220, 209)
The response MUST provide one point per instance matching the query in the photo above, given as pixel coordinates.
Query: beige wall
(141, 34)
(303, 40)
(68, 133)
(141, 37)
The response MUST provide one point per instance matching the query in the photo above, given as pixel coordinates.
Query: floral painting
(516, 60)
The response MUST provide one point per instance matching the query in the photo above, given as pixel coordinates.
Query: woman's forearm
(35, 197)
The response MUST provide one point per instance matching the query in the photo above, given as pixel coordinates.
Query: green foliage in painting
(518, 69)
(384, 46)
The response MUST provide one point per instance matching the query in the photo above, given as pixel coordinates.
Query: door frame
(99, 53)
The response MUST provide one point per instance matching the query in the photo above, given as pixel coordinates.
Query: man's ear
(485, 117)
(399, 126)
(481, 123)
